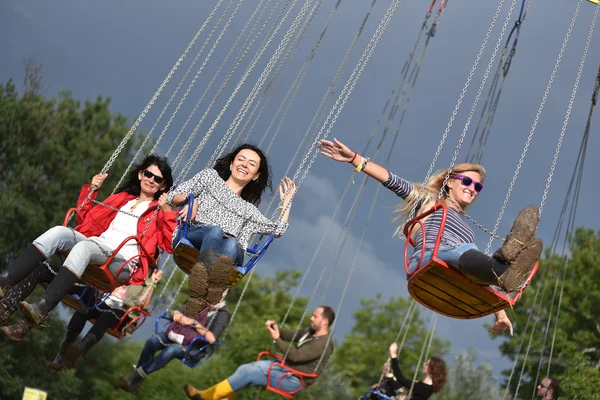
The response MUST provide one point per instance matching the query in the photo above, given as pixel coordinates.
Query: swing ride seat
(379, 395)
(99, 276)
(289, 372)
(446, 290)
(185, 254)
(125, 327)
(198, 351)
(594, 1)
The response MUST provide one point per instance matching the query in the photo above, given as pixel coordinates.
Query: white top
(123, 226)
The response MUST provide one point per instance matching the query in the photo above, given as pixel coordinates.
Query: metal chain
(249, 69)
(535, 122)
(259, 83)
(166, 106)
(477, 97)
(121, 211)
(569, 108)
(457, 107)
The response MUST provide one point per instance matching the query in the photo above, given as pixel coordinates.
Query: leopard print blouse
(219, 206)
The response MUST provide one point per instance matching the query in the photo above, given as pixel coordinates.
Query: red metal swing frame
(444, 289)
(279, 362)
(99, 276)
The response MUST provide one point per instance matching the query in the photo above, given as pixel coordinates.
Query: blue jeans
(149, 362)
(255, 374)
(448, 254)
(203, 237)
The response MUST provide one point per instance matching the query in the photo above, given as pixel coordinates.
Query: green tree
(467, 380)
(49, 148)
(576, 351)
(365, 349)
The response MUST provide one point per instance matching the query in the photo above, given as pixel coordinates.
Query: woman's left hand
(156, 276)
(162, 203)
(287, 188)
(502, 322)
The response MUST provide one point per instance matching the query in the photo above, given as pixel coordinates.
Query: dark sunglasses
(467, 181)
(149, 175)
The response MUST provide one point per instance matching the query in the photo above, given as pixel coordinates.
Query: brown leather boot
(198, 281)
(17, 332)
(219, 275)
(521, 233)
(5, 314)
(520, 268)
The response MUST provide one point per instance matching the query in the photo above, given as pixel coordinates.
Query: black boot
(59, 287)
(59, 361)
(20, 268)
(22, 290)
(75, 352)
(481, 268)
(132, 382)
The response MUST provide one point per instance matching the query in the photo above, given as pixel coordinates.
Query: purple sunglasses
(467, 181)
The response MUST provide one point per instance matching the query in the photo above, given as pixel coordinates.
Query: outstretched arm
(338, 151)
(502, 322)
(401, 379)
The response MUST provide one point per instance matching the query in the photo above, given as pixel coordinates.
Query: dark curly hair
(132, 183)
(438, 372)
(254, 189)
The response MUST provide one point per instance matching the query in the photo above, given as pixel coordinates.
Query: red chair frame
(289, 371)
(118, 331)
(443, 288)
(99, 276)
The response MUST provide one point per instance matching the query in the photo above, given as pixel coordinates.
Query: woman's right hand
(393, 350)
(182, 215)
(97, 181)
(336, 150)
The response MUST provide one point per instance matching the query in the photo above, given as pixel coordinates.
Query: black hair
(554, 386)
(329, 314)
(253, 191)
(132, 183)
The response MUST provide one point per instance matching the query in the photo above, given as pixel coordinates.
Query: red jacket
(94, 220)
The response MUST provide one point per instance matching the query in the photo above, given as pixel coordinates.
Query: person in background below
(548, 389)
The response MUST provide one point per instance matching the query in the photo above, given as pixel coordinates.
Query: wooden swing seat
(444, 289)
(289, 372)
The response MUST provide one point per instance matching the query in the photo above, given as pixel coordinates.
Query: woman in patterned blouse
(225, 215)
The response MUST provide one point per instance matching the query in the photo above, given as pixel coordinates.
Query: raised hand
(98, 180)
(287, 188)
(336, 150)
(162, 203)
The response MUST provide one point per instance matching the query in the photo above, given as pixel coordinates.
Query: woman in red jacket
(99, 232)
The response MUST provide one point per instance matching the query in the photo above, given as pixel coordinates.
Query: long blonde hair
(430, 192)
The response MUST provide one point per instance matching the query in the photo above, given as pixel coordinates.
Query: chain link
(535, 122)
(569, 108)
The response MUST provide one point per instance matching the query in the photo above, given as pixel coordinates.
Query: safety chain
(535, 122)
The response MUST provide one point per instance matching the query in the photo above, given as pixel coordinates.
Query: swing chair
(279, 362)
(185, 254)
(443, 289)
(198, 351)
(89, 298)
(99, 276)
(378, 394)
(130, 322)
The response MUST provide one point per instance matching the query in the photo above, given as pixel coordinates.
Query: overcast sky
(124, 49)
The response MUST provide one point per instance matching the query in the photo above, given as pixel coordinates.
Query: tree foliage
(576, 350)
(49, 148)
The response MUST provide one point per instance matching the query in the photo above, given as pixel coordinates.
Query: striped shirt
(456, 232)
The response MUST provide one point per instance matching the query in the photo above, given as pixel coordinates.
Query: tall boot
(59, 361)
(5, 313)
(218, 278)
(132, 382)
(17, 331)
(26, 262)
(42, 273)
(520, 268)
(59, 287)
(521, 233)
(75, 352)
(221, 390)
(481, 268)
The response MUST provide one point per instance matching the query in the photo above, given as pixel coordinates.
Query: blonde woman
(508, 266)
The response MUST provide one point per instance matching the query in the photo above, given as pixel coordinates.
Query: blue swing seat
(376, 393)
(185, 254)
(198, 350)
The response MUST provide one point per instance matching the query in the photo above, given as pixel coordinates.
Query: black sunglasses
(467, 181)
(149, 175)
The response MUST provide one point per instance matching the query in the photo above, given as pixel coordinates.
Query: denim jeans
(82, 251)
(255, 374)
(203, 237)
(169, 351)
(448, 254)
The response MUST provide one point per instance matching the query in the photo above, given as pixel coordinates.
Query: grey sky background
(124, 49)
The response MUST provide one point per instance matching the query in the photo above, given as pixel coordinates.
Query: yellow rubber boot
(221, 390)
